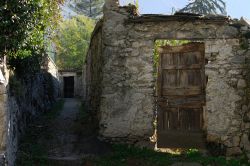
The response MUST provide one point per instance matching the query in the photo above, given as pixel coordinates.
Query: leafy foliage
(205, 7)
(72, 42)
(25, 25)
(89, 8)
(132, 2)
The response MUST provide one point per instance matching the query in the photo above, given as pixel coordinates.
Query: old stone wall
(50, 67)
(26, 101)
(127, 82)
(53, 70)
(3, 113)
(227, 96)
(92, 72)
(21, 101)
(78, 87)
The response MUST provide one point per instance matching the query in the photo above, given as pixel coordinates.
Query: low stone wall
(21, 101)
(34, 97)
(50, 67)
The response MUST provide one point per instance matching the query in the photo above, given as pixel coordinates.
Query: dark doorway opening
(68, 87)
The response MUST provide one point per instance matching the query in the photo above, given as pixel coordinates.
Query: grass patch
(85, 124)
(84, 114)
(124, 155)
(31, 152)
(195, 156)
(55, 110)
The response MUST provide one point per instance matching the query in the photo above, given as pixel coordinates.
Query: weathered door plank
(181, 96)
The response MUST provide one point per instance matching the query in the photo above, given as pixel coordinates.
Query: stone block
(244, 108)
(186, 164)
(235, 72)
(212, 138)
(244, 28)
(241, 84)
(234, 151)
(247, 117)
(2, 89)
(236, 141)
(245, 143)
(222, 71)
(238, 60)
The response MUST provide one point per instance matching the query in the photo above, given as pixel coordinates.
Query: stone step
(186, 164)
(65, 161)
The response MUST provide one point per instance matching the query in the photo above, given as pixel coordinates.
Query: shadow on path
(73, 136)
(67, 138)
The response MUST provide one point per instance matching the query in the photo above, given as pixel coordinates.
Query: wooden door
(181, 96)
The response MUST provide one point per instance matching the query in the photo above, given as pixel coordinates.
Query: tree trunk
(90, 8)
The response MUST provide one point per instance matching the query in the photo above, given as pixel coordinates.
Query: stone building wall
(78, 85)
(127, 82)
(227, 98)
(53, 70)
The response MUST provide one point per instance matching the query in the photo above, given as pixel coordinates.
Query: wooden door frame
(159, 86)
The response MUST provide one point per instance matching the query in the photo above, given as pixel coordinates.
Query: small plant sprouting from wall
(132, 7)
(132, 2)
(244, 40)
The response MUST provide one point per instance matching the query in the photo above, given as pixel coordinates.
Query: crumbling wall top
(179, 17)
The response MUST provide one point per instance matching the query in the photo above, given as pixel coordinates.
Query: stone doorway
(181, 96)
(68, 87)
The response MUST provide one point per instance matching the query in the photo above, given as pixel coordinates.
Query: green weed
(124, 155)
(55, 110)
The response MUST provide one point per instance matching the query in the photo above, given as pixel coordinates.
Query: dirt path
(64, 138)
(73, 137)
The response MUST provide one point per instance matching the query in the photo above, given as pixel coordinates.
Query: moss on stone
(247, 35)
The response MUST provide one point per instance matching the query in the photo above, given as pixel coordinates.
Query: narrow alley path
(73, 135)
(63, 139)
